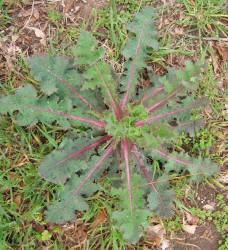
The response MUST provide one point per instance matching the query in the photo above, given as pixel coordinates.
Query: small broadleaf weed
(123, 121)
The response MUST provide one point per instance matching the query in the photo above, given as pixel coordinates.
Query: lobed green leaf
(142, 35)
(57, 168)
(86, 51)
(196, 167)
(46, 69)
(162, 201)
(64, 210)
(92, 80)
(131, 226)
(26, 96)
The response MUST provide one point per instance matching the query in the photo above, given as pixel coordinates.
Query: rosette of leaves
(136, 125)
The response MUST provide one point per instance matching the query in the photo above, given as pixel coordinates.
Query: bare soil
(206, 236)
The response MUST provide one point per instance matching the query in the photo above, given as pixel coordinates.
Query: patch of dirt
(85, 6)
(206, 237)
(35, 26)
(32, 30)
(206, 195)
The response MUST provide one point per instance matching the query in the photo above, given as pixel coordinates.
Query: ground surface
(186, 31)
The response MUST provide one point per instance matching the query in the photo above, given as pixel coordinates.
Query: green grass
(24, 195)
(54, 16)
(104, 235)
(5, 19)
(205, 16)
(23, 192)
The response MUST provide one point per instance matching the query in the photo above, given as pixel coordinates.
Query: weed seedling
(128, 130)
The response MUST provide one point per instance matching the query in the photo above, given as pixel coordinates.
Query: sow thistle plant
(129, 132)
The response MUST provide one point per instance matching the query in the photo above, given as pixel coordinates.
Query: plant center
(126, 128)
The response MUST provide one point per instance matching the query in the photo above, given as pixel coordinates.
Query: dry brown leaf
(181, 16)
(215, 65)
(223, 178)
(191, 219)
(155, 241)
(99, 218)
(179, 30)
(36, 14)
(223, 51)
(145, 247)
(165, 244)
(12, 175)
(214, 59)
(14, 38)
(188, 228)
(209, 27)
(38, 227)
(17, 199)
(156, 234)
(225, 111)
(191, 223)
(40, 34)
(27, 13)
(226, 83)
(158, 229)
(68, 5)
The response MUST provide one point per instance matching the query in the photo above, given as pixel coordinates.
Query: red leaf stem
(108, 151)
(117, 110)
(139, 160)
(152, 93)
(125, 147)
(171, 158)
(165, 99)
(141, 123)
(93, 145)
(96, 123)
(74, 91)
(124, 102)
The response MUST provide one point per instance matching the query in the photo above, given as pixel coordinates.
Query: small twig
(27, 22)
(168, 179)
(209, 38)
(187, 244)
